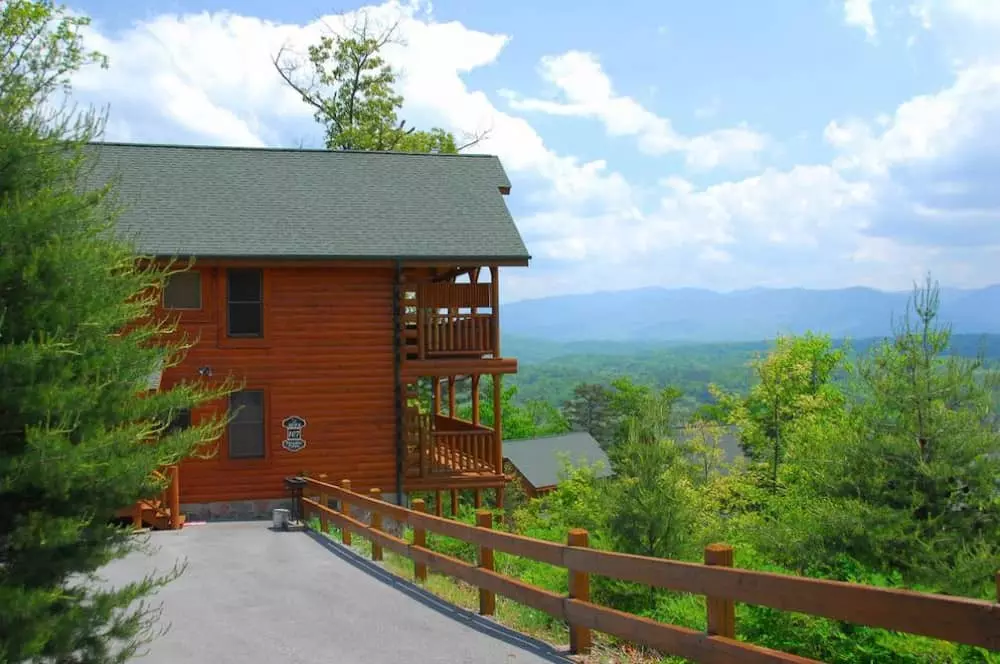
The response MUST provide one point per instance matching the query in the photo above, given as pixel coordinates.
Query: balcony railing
(459, 449)
(451, 320)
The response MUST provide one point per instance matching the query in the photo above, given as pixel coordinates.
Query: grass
(518, 617)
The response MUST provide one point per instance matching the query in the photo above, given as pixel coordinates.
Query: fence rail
(958, 619)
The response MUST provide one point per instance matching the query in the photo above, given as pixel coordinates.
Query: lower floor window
(246, 426)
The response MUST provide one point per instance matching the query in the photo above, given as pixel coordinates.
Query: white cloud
(857, 220)
(588, 92)
(858, 13)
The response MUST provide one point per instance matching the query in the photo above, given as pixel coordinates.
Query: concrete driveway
(250, 595)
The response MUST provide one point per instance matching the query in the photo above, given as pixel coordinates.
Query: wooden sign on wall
(293, 441)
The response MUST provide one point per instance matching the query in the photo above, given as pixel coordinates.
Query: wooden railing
(957, 619)
(449, 319)
(166, 506)
(463, 449)
(456, 334)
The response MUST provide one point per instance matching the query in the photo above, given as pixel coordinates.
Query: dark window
(182, 291)
(246, 303)
(246, 428)
(181, 421)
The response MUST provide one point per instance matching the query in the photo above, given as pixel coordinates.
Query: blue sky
(719, 143)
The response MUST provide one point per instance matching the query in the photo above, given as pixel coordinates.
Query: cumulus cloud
(858, 13)
(587, 92)
(878, 214)
(934, 163)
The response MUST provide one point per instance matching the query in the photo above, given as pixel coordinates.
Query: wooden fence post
(721, 611)
(580, 638)
(376, 525)
(345, 509)
(175, 497)
(487, 600)
(419, 539)
(324, 500)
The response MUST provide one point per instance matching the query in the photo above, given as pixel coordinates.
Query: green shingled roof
(255, 202)
(538, 459)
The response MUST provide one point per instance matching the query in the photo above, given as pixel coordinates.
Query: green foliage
(589, 409)
(528, 420)
(793, 383)
(351, 89)
(78, 438)
(875, 465)
(652, 500)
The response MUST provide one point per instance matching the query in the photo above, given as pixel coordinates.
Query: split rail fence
(957, 619)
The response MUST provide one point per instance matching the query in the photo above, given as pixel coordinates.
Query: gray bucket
(279, 518)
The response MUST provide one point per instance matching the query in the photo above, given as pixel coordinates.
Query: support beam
(438, 509)
(478, 498)
(495, 306)
(498, 422)
(454, 503)
(451, 397)
(475, 400)
(436, 406)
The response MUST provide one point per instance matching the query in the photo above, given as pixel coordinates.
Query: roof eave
(500, 260)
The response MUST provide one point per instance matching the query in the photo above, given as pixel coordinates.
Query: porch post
(497, 423)
(475, 400)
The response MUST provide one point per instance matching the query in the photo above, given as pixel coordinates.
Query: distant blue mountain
(695, 315)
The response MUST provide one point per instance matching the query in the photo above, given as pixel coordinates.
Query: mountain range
(696, 315)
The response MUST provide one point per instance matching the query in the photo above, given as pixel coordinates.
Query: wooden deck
(162, 512)
(443, 452)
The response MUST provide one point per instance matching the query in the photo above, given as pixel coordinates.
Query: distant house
(538, 461)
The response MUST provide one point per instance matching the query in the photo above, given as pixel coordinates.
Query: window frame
(182, 421)
(201, 291)
(265, 447)
(230, 302)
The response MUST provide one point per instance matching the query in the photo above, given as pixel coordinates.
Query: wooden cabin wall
(326, 356)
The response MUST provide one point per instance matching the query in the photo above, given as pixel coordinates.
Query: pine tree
(80, 436)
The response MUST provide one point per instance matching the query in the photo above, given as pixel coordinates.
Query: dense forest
(875, 463)
(549, 371)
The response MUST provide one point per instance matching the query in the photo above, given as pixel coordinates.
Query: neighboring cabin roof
(538, 459)
(283, 203)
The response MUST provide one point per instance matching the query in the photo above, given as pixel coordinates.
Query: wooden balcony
(440, 449)
(450, 320)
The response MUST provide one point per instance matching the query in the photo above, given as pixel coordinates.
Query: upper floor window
(183, 290)
(245, 302)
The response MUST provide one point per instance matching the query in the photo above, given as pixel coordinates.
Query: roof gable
(279, 203)
(538, 459)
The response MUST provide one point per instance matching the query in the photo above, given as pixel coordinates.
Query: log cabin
(330, 283)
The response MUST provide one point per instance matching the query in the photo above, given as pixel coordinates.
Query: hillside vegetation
(548, 371)
(878, 466)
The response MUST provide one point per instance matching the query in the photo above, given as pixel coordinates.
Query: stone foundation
(245, 510)
(234, 510)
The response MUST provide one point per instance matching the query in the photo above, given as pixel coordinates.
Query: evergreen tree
(79, 435)
(589, 410)
(926, 460)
